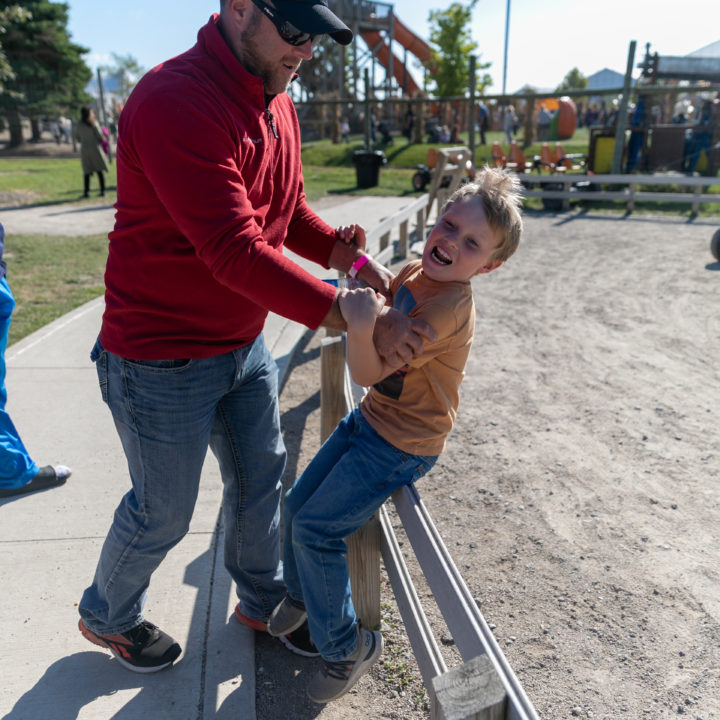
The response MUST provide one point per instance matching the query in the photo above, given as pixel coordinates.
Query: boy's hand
(398, 338)
(352, 234)
(360, 307)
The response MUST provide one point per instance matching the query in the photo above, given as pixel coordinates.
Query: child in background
(398, 431)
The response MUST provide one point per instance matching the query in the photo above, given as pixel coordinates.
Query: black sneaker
(300, 642)
(143, 649)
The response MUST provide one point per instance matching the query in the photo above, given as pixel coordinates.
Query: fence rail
(590, 187)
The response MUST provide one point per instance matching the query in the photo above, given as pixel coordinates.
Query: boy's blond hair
(501, 195)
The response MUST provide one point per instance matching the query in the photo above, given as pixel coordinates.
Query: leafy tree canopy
(49, 74)
(13, 13)
(574, 80)
(451, 46)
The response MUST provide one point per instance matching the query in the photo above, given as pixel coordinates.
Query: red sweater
(207, 197)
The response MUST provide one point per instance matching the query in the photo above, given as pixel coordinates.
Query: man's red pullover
(210, 188)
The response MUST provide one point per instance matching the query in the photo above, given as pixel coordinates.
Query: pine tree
(50, 75)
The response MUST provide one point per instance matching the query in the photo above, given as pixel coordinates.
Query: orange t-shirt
(415, 407)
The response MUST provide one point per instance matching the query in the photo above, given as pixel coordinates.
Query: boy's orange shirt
(415, 407)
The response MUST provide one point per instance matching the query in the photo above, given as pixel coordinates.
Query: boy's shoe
(46, 477)
(289, 615)
(336, 678)
(298, 641)
(143, 649)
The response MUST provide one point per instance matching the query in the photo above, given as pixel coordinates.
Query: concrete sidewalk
(51, 540)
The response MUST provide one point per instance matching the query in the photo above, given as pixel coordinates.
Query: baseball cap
(314, 17)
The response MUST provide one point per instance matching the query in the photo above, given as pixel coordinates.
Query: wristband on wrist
(357, 265)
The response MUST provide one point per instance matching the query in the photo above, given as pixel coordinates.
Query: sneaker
(299, 642)
(143, 649)
(336, 678)
(258, 625)
(46, 477)
(289, 615)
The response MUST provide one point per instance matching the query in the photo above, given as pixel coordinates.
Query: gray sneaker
(336, 678)
(288, 616)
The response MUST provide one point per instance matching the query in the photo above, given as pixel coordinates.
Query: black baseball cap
(314, 17)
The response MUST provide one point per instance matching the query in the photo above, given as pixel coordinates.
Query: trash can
(367, 166)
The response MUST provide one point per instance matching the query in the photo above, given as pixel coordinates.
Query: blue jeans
(167, 413)
(17, 468)
(351, 476)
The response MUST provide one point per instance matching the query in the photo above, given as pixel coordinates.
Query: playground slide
(410, 41)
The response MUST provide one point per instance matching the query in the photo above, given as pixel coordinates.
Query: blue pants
(167, 413)
(351, 476)
(16, 466)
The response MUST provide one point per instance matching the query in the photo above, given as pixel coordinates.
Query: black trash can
(367, 166)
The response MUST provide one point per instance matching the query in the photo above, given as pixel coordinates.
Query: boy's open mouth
(440, 256)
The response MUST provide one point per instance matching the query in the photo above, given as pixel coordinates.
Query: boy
(398, 431)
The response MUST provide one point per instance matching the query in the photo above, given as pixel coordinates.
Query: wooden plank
(332, 384)
(402, 249)
(471, 691)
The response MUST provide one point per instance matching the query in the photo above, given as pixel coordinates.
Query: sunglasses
(286, 30)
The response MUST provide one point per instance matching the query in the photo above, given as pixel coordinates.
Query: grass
(50, 276)
(47, 181)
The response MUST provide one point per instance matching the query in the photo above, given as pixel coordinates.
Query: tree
(14, 13)
(50, 75)
(452, 46)
(574, 80)
(126, 71)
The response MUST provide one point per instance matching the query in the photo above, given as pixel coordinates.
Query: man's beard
(273, 76)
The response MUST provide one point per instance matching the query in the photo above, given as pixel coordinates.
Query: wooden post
(332, 385)
(364, 545)
(696, 203)
(529, 132)
(420, 226)
(403, 241)
(471, 691)
(631, 200)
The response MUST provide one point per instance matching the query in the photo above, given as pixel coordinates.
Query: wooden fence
(484, 686)
(620, 188)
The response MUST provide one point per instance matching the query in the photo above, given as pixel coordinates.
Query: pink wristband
(357, 265)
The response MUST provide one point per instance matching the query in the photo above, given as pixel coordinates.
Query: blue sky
(547, 37)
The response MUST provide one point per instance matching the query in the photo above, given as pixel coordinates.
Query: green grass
(50, 276)
(46, 181)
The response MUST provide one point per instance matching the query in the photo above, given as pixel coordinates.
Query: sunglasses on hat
(286, 30)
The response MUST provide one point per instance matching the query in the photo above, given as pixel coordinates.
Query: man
(210, 188)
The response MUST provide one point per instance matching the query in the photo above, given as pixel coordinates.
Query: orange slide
(410, 41)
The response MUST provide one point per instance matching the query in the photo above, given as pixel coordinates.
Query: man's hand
(352, 234)
(398, 338)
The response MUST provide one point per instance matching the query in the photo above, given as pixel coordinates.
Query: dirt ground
(579, 494)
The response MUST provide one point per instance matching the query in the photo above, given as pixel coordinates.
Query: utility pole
(621, 122)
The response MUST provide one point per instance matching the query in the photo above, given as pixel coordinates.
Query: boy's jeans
(167, 412)
(352, 475)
